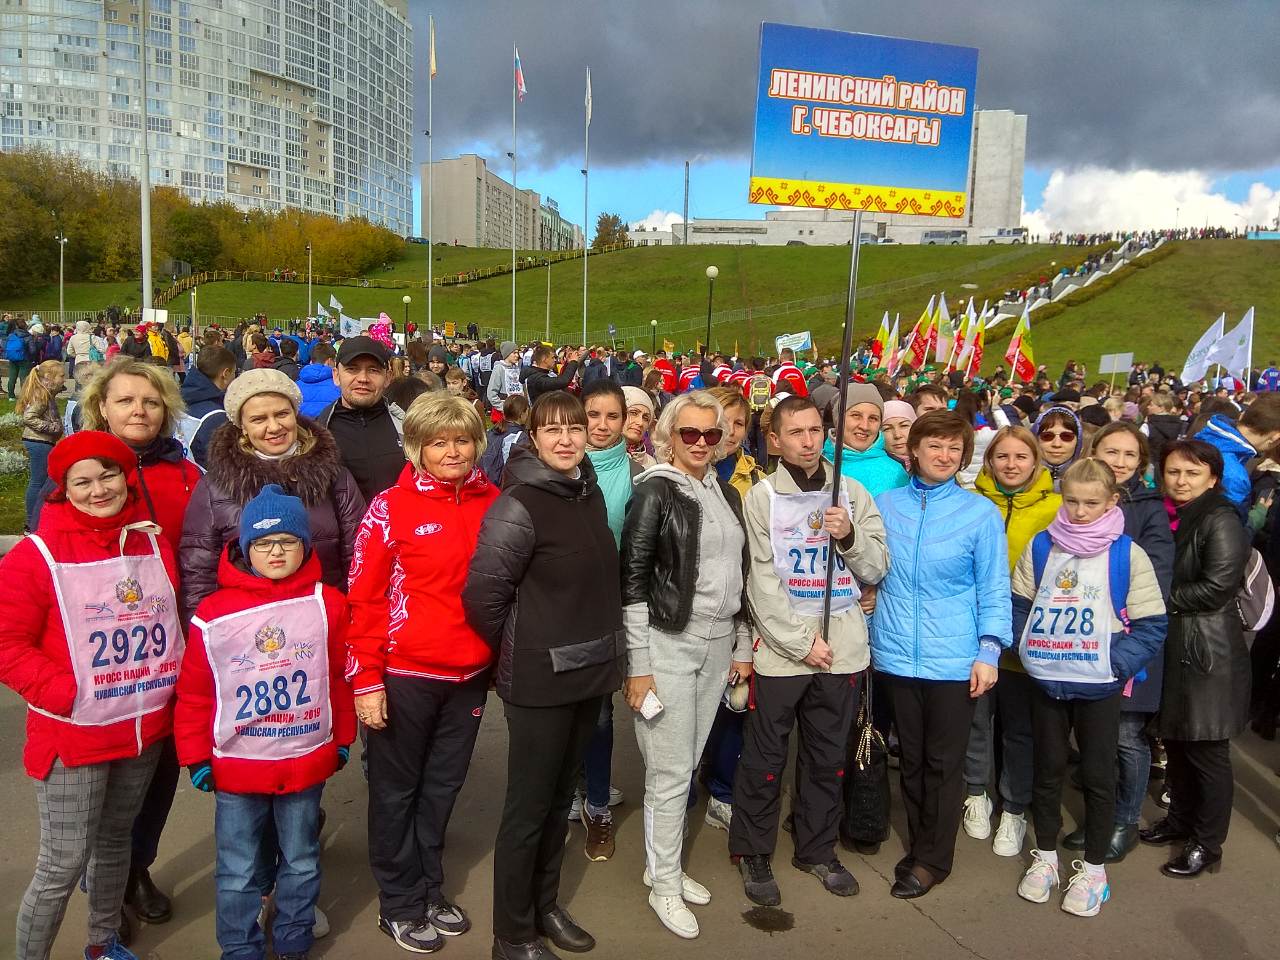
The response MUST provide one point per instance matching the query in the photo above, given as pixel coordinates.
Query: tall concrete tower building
(265, 103)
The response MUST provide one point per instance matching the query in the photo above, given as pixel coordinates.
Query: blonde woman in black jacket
(543, 589)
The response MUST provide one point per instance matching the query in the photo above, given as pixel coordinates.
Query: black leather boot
(147, 901)
(1193, 861)
(558, 927)
(527, 950)
(1162, 832)
(1123, 839)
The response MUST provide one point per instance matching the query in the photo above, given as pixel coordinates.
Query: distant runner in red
(787, 376)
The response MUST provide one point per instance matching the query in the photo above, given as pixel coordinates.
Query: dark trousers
(151, 819)
(724, 748)
(1201, 787)
(417, 765)
(1097, 727)
(822, 705)
(933, 718)
(545, 750)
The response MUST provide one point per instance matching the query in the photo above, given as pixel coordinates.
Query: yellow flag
(431, 46)
(668, 346)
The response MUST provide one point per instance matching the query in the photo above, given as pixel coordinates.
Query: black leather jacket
(660, 551)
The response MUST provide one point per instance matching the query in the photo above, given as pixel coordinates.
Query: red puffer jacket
(194, 717)
(167, 480)
(419, 537)
(34, 658)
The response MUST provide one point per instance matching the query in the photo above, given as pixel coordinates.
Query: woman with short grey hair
(684, 608)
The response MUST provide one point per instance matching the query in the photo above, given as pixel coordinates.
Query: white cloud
(1094, 199)
(658, 220)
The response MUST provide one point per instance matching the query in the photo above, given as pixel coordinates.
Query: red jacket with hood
(34, 658)
(240, 589)
(411, 560)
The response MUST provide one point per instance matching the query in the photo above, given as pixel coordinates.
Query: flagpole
(586, 218)
(515, 198)
(431, 71)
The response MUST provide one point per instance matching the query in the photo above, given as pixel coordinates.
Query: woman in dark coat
(1205, 696)
(1123, 448)
(544, 590)
(265, 441)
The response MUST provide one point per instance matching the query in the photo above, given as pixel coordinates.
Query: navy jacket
(1147, 523)
(204, 404)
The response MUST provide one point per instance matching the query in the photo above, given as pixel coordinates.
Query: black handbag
(864, 824)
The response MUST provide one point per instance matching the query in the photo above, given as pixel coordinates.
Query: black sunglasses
(689, 435)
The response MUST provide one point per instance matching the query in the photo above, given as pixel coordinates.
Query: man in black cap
(368, 429)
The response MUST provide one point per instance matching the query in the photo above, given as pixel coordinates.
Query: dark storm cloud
(1123, 84)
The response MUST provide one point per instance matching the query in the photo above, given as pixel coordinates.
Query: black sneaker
(834, 875)
(447, 918)
(416, 936)
(757, 880)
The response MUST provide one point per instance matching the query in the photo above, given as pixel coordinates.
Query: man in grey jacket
(505, 378)
(801, 676)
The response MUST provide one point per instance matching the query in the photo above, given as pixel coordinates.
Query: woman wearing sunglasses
(683, 560)
(1061, 440)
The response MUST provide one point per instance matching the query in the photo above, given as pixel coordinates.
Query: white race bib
(800, 548)
(1068, 634)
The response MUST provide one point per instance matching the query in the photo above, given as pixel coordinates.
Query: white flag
(946, 334)
(1201, 355)
(348, 326)
(321, 311)
(334, 304)
(1234, 349)
(588, 96)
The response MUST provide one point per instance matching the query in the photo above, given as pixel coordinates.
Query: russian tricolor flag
(520, 89)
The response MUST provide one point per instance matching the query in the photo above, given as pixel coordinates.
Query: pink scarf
(1086, 539)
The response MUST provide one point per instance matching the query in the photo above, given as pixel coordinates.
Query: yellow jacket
(745, 474)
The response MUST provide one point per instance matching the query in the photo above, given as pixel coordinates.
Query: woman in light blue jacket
(943, 614)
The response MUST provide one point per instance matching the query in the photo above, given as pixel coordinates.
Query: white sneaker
(719, 814)
(575, 808)
(692, 891)
(675, 916)
(615, 796)
(320, 928)
(1085, 893)
(1010, 834)
(1039, 880)
(977, 816)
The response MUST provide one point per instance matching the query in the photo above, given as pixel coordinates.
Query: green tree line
(43, 194)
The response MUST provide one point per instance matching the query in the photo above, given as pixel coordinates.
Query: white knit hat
(251, 383)
(638, 398)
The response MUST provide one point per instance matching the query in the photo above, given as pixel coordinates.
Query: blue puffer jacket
(1147, 523)
(873, 467)
(315, 380)
(948, 582)
(1236, 452)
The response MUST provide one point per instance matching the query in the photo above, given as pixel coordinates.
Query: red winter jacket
(166, 487)
(34, 659)
(789, 377)
(418, 537)
(239, 589)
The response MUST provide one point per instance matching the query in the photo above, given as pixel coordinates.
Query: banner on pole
(852, 121)
(794, 341)
(348, 326)
(450, 330)
(1113, 363)
(1200, 357)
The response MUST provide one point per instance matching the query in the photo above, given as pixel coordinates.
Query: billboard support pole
(842, 401)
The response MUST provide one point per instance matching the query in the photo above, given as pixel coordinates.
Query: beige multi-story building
(265, 103)
(471, 207)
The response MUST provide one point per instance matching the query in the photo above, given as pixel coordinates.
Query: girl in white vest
(1088, 612)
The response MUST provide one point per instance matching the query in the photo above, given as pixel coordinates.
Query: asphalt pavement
(975, 914)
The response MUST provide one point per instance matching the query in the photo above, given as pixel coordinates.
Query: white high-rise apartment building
(264, 103)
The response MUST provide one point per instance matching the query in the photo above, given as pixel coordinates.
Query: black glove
(201, 776)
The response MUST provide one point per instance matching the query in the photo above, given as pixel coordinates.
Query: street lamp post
(712, 273)
(308, 313)
(654, 325)
(406, 300)
(62, 248)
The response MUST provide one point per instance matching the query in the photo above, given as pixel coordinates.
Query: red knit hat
(91, 444)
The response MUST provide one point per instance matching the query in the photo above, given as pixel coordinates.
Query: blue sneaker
(113, 949)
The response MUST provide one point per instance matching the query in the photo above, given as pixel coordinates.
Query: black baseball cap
(354, 347)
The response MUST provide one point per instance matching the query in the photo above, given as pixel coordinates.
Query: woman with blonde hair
(420, 673)
(41, 426)
(684, 560)
(1014, 479)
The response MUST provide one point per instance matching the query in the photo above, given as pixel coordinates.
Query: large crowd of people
(248, 552)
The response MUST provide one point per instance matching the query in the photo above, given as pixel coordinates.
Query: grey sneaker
(416, 936)
(834, 875)
(447, 918)
(719, 814)
(757, 880)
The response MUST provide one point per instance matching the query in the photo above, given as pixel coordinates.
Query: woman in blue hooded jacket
(1061, 440)
(865, 458)
(942, 617)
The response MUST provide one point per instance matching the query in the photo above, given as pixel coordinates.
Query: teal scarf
(613, 473)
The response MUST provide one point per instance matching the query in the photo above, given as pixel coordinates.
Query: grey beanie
(505, 348)
(857, 393)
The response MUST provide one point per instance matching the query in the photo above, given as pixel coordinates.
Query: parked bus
(953, 238)
(1004, 235)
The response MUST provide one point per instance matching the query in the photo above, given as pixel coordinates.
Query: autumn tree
(609, 230)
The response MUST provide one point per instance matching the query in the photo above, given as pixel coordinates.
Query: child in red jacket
(263, 718)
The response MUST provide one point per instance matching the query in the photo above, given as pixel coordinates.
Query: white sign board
(795, 341)
(154, 316)
(1112, 363)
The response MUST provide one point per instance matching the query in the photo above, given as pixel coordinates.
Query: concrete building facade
(265, 103)
(472, 208)
(995, 202)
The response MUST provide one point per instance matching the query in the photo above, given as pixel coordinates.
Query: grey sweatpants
(86, 821)
(690, 674)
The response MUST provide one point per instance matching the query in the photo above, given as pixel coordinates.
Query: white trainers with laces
(1039, 880)
(675, 916)
(719, 814)
(1009, 835)
(1086, 893)
(977, 816)
(615, 796)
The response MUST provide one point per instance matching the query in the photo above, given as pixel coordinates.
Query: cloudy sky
(1139, 111)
